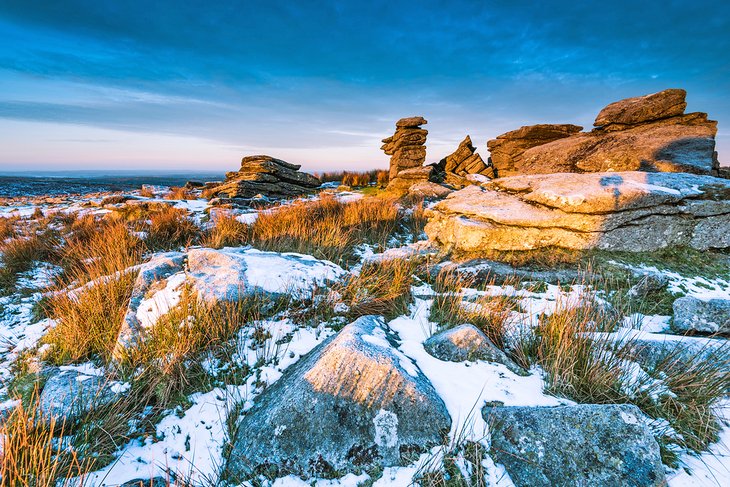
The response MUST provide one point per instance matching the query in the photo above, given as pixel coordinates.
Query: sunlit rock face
(354, 402)
(408, 153)
(266, 175)
(647, 133)
(629, 211)
(585, 444)
(464, 161)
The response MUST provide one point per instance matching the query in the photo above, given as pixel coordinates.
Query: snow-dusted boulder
(228, 274)
(159, 267)
(354, 402)
(231, 273)
(467, 342)
(586, 444)
(694, 314)
(72, 392)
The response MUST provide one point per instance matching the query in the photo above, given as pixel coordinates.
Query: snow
(248, 218)
(162, 301)
(699, 287)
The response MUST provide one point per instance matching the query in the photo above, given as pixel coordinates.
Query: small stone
(703, 316)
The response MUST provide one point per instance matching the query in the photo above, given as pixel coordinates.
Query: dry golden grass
(382, 177)
(7, 227)
(356, 179)
(226, 231)
(179, 193)
(382, 288)
(170, 228)
(30, 455)
(20, 254)
(325, 228)
(146, 192)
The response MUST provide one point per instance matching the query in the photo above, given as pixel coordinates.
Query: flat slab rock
(575, 445)
(631, 211)
(353, 403)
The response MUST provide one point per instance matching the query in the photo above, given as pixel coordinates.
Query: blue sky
(196, 85)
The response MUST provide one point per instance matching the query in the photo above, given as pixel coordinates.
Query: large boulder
(629, 211)
(265, 175)
(692, 314)
(467, 342)
(353, 403)
(642, 109)
(648, 133)
(229, 274)
(575, 445)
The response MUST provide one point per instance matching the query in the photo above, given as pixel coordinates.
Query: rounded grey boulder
(693, 314)
(352, 403)
(586, 445)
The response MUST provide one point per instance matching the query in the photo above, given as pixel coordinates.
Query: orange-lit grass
(170, 228)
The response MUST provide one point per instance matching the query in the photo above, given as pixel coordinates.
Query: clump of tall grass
(7, 227)
(588, 366)
(170, 228)
(226, 231)
(179, 193)
(382, 288)
(32, 455)
(92, 296)
(487, 311)
(325, 228)
(21, 253)
(171, 353)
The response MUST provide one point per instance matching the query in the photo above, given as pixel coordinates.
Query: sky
(196, 85)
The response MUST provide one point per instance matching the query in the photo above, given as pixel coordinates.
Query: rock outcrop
(507, 149)
(268, 176)
(630, 211)
(648, 133)
(454, 168)
(355, 402)
(408, 153)
(705, 316)
(575, 445)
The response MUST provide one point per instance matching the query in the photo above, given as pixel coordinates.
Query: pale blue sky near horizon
(194, 86)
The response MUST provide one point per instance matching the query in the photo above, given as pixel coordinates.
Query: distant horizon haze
(194, 86)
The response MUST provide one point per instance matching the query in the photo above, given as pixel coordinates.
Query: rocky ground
(252, 344)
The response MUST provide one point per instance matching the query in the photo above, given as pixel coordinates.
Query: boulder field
(627, 211)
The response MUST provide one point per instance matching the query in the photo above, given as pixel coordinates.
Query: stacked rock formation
(626, 211)
(454, 168)
(408, 153)
(648, 133)
(268, 176)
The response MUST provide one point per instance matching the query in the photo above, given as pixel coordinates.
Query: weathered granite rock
(354, 402)
(684, 143)
(705, 316)
(408, 152)
(229, 274)
(267, 176)
(454, 168)
(575, 445)
(631, 211)
(429, 190)
(224, 275)
(641, 109)
(507, 149)
(467, 342)
(158, 268)
(69, 394)
(648, 133)
(483, 271)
